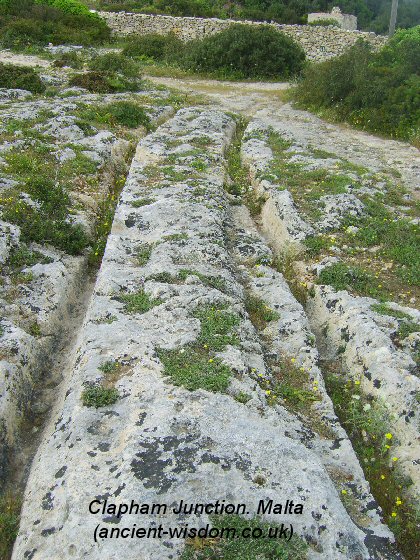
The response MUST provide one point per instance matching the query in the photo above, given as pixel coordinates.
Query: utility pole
(393, 19)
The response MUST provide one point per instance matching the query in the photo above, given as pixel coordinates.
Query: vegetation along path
(252, 333)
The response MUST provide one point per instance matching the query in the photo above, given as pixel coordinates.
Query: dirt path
(266, 101)
(23, 59)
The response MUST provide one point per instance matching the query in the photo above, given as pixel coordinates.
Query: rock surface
(160, 443)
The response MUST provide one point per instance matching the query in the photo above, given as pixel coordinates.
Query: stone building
(345, 21)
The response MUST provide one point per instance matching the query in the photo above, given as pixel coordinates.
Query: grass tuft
(99, 396)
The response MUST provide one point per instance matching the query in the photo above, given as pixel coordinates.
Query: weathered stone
(161, 442)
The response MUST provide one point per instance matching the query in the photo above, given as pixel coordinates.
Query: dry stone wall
(319, 43)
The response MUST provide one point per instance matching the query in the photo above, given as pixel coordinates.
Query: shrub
(245, 51)
(104, 82)
(20, 77)
(115, 63)
(70, 7)
(157, 47)
(128, 114)
(71, 59)
(34, 22)
(125, 113)
(377, 91)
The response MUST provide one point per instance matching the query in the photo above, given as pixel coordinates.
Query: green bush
(69, 7)
(128, 114)
(20, 77)
(71, 59)
(376, 91)
(104, 82)
(125, 113)
(245, 51)
(157, 47)
(115, 63)
(31, 22)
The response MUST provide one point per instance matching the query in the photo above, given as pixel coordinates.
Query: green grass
(242, 397)
(399, 239)
(143, 253)
(139, 302)
(123, 113)
(176, 237)
(99, 396)
(353, 278)
(383, 309)
(139, 202)
(195, 366)
(259, 312)
(109, 367)
(48, 185)
(170, 172)
(292, 386)
(104, 218)
(369, 427)
(406, 328)
(23, 257)
(9, 522)
(210, 281)
(315, 245)
(230, 546)
(192, 368)
(218, 328)
(238, 174)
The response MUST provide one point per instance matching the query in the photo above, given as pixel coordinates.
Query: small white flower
(356, 397)
(366, 407)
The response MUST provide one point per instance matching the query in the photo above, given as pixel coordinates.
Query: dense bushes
(157, 47)
(103, 82)
(245, 51)
(109, 73)
(115, 63)
(379, 92)
(39, 22)
(20, 77)
(240, 51)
